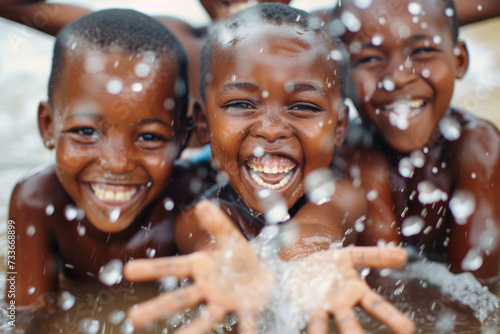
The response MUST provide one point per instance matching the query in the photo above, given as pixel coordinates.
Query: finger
(346, 321)
(386, 313)
(377, 257)
(246, 323)
(318, 323)
(164, 305)
(154, 269)
(217, 222)
(206, 320)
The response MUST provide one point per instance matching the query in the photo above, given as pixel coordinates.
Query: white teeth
(271, 170)
(402, 105)
(112, 195)
(255, 176)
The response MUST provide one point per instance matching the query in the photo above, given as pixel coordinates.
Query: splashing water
(414, 8)
(115, 317)
(450, 128)
(114, 86)
(350, 21)
(406, 168)
(89, 326)
(274, 206)
(49, 210)
(362, 4)
(114, 214)
(111, 273)
(168, 204)
(473, 260)
(320, 186)
(462, 205)
(412, 225)
(66, 300)
(169, 283)
(72, 212)
(142, 70)
(428, 193)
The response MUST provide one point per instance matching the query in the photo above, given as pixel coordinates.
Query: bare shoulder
(38, 189)
(180, 28)
(478, 144)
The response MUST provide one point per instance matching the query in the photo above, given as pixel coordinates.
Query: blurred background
(25, 56)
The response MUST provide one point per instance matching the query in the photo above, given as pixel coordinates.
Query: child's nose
(117, 159)
(401, 72)
(271, 127)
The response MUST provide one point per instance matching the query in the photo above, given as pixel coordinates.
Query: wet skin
(112, 151)
(406, 119)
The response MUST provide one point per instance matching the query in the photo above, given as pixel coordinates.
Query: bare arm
(474, 240)
(45, 17)
(469, 11)
(31, 264)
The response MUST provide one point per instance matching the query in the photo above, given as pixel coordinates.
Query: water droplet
(116, 316)
(168, 204)
(94, 63)
(222, 178)
(114, 86)
(426, 73)
(233, 77)
(350, 21)
(136, 87)
(412, 225)
(127, 327)
(111, 273)
(265, 94)
(150, 252)
(362, 4)
(406, 168)
(149, 184)
(417, 159)
(449, 12)
(436, 39)
(359, 224)
(89, 326)
(74, 45)
(66, 300)
(31, 290)
(479, 7)
(398, 121)
(258, 151)
(49, 210)
(462, 205)
(81, 230)
(142, 70)
(415, 8)
(382, 20)
(473, 260)
(114, 214)
(388, 84)
(168, 283)
(70, 212)
(30, 231)
(273, 206)
(372, 195)
(320, 186)
(364, 272)
(473, 175)
(336, 55)
(429, 193)
(450, 128)
(169, 104)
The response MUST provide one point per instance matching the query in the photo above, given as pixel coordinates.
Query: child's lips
(271, 172)
(405, 108)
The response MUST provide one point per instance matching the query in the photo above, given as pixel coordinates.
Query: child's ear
(461, 59)
(46, 124)
(342, 125)
(200, 120)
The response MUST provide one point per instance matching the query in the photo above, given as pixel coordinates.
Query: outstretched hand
(328, 283)
(230, 278)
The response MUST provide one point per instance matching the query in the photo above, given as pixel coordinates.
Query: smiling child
(273, 104)
(116, 118)
(436, 166)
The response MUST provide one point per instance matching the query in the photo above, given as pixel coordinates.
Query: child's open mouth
(402, 111)
(272, 172)
(113, 193)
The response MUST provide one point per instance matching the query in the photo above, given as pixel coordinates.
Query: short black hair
(450, 13)
(275, 14)
(125, 31)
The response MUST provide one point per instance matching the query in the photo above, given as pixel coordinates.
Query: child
(273, 105)
(431, 172)
(116, 117)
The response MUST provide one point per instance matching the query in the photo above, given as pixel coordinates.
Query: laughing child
(431, 172)
(273, 105)
(116, 118)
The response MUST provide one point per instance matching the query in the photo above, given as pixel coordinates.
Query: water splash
(66, 300)
(114, 86)
(89, 326)
(30, 231)
(111, 273)
(428, 193)
(168, 204)
(273, 206)
(406, 168)
(114, 214)
(412, 225)
(450, 128)
(473, 260)
(49, 210)
(142, 70)
(169, 283)
(462, 206)
(116, 317)
(320, 186)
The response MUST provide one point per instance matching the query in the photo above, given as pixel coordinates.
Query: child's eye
(302, 110)
(306, 107)
(85, 135)
(151, 137)
(239, 108)
(238, 105)
(366, 60)
(423, 51)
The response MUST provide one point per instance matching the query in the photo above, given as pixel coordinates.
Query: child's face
(403, 68)
(222, 9)
(272, 110)
(114, 139)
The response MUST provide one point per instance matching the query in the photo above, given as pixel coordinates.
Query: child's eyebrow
(86, 114)
(418, 37)
(240, 85)
(150, 121)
